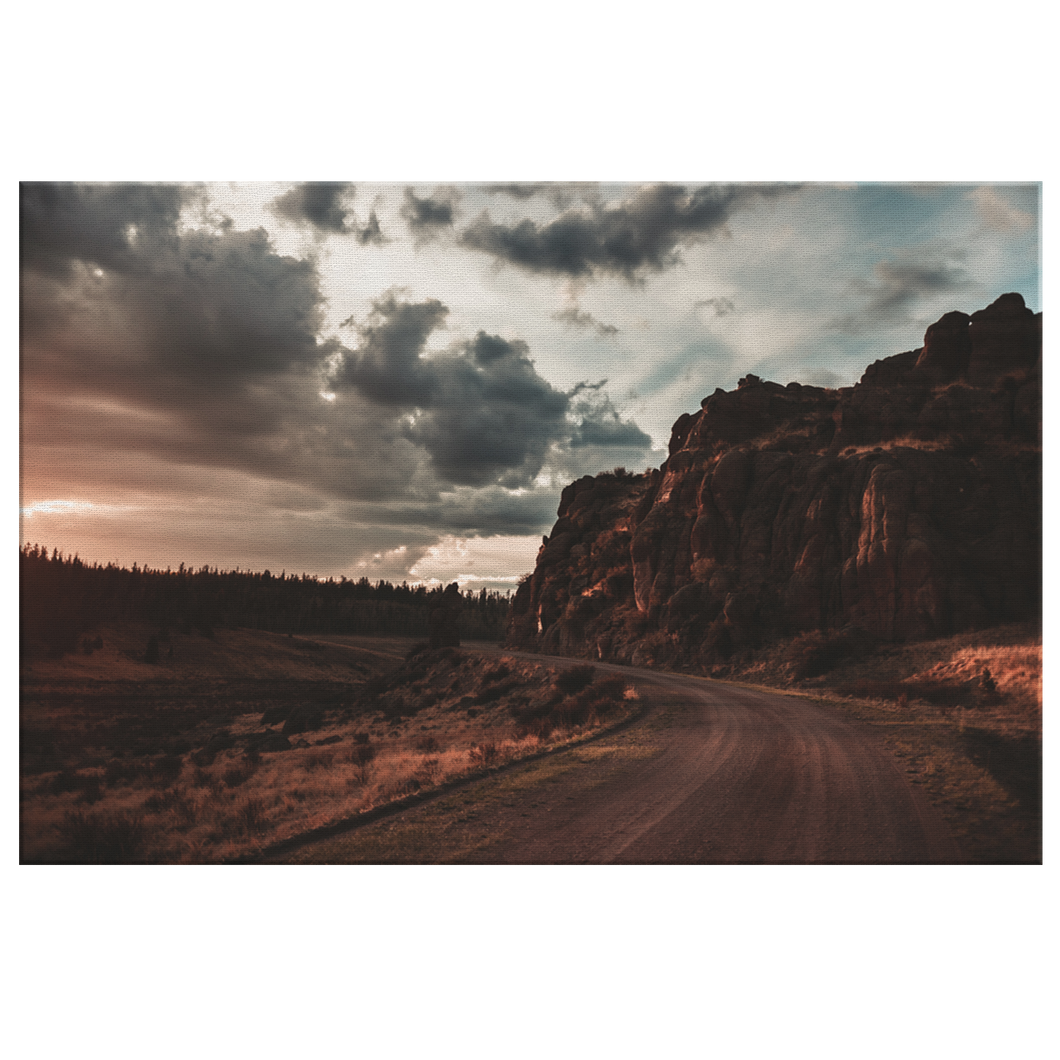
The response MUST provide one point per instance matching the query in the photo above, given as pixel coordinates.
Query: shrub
(251, 816)
(86, 784)
(541, 728)
(614, 686)
(816, 653)
(485, 754)
(362, 756)
(123, 771)
(102, 839)
(428, 745)
(576, 678)
(317, 760)
(239, 774)
(494, 692)
(430, 769)
(529, 711)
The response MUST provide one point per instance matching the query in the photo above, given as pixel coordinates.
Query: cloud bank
(183, 358)
(640, 234)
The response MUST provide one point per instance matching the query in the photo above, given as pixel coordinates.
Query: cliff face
(908, 505)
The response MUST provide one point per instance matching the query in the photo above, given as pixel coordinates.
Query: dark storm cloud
(100, 224)
(206, 309)
(388, 367)
(640, 234)
(428, 218)
(578, 318)
(489, 510)
(601, 426)
(320, 204)
(199, 346)
(480, 410)
(155, 352)
(895, 289)
(324, 206)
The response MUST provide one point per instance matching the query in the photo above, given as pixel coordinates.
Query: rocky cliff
(906, 506)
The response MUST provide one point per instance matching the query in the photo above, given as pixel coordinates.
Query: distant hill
(907, 506)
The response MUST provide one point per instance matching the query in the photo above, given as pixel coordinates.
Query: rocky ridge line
(906, 506)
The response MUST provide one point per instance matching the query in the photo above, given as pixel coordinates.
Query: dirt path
(715, 774)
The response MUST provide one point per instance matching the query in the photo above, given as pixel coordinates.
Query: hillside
(905, 507)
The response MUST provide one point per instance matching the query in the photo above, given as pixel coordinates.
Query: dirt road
(715, 773)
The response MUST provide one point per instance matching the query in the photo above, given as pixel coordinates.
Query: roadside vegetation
(228, 743)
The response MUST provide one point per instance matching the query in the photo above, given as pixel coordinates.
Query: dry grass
(180, 772)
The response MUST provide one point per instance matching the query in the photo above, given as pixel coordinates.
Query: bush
(576, 678)
(317, 760)
(236, 775)
(485, 754)
(494, 692)
(542, 728)
(102, 839)
(251, 816)
(614, 686)
(362, 756)
(818, 652)
(578, 711)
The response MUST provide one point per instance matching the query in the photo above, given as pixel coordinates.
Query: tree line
(63, 598)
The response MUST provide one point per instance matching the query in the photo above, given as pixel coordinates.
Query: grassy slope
(126, 760)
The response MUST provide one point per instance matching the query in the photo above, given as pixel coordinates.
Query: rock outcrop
(906, 506)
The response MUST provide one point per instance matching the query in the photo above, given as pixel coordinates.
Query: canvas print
(537, 523)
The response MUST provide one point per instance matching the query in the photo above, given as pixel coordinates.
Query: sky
(396, 380)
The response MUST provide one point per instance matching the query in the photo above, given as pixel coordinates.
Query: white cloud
(997, 213)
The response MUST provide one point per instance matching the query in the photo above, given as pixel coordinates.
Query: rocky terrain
(908, 506)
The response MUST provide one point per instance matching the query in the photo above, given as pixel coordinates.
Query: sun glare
(56, 507)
